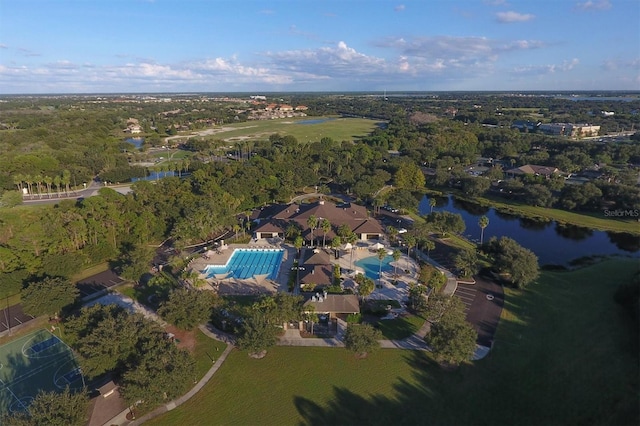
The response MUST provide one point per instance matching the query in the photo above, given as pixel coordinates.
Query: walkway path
(121, 419)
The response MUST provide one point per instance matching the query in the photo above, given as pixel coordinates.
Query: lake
(137, 142)
(552, 242)
(315, 121)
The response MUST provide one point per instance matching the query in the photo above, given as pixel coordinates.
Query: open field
(563, 355)
(336, 128)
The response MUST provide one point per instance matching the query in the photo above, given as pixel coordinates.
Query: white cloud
(546, 69)
(399, 8)
(616, 64)
(593, 5)
(3, 46)
(511, 16)
(496, 2)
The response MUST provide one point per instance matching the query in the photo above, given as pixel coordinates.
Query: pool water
(371, 266)
(247, 263)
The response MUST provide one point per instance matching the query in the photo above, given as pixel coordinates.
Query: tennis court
(37, 361)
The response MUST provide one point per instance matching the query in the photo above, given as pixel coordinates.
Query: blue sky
(98, 46)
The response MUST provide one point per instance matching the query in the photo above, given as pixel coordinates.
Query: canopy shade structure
(378, 246)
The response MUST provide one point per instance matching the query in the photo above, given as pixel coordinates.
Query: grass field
(563, 355)
(337, 128)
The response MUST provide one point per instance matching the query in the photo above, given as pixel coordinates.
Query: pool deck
(261, 285)
(256, 285)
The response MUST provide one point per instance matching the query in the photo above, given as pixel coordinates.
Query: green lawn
(206, 352)
(563, 355)
(401, 327)
(337, 128)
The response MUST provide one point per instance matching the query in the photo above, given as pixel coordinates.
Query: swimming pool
(247, 263)
(371, 266)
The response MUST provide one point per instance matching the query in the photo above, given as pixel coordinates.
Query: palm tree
(37, 179)
(28, 179)
(393, 233)
(66, 180)
(432, 203)
(410, 240)
(429, 245)
(325, 225)
(351, 238)
(56, 183)
(396, 257)
(482, 223)
(382, 253)
(312, 223)
(47, 181)
(17, 181)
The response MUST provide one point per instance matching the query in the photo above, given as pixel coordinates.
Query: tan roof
(533, 169)
(319, 275)
(337, 303)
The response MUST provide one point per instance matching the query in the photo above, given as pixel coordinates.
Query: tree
(257, 335)
(53, 408)
(48, 296)
(396, 256)
(418, 297)
(365, 285)
(410, 240)
(381, 253)
(429, 245)
(312, 223)
(432, 204)
(297, 243)
(431, 277)
(325, 225)
(135, 262)
(483, 222)
(446, 222)
(519, 264)
(466, 260)
(362, 339)
(452, 339)
(161, 372)
(187, 309)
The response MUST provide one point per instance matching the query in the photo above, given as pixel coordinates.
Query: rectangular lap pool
(247, 263)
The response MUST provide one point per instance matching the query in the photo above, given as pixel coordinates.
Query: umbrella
(348, 246)
(378, 246)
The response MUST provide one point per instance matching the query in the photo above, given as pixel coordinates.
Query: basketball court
(37, 361)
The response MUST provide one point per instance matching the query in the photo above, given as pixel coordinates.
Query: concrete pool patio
(259, 284)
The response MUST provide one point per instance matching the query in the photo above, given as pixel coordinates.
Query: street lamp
(85, 185)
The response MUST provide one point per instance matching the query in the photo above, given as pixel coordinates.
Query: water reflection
(553, 243)
(624, 241)
(573, 232)
(473, 208)
(534, 224)
(506, 216)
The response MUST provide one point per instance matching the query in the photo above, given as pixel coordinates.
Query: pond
(137, 142)
(315, 121)
(553, 243)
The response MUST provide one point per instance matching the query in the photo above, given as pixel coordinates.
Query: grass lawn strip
(562, 355)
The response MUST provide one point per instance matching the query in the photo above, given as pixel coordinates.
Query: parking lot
(466, 293)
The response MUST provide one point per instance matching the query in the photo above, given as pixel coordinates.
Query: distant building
(525, 125)
(534, 170)
(569, 129)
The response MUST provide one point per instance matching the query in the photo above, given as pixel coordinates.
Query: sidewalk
(212, 332)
